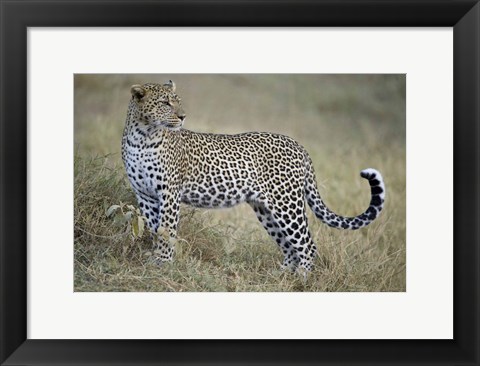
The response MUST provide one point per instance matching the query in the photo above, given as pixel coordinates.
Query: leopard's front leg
(162, 216)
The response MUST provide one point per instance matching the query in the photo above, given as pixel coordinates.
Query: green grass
(346, 122)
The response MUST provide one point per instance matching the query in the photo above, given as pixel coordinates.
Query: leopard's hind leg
(266, 218)
(288, 214)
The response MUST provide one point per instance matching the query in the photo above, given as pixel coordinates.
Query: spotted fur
(167, 165)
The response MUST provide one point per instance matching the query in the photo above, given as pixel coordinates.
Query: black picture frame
(18, 15)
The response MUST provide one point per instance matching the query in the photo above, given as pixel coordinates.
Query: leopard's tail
(330, 218)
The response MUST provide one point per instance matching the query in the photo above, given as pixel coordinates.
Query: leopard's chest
(145, 165)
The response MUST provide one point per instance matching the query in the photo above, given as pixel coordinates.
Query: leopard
(168, 165)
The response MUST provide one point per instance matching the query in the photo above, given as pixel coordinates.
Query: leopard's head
(158, 105)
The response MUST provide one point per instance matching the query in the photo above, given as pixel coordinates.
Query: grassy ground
(346, 122)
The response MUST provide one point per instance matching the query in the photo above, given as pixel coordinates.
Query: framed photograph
(124, 123)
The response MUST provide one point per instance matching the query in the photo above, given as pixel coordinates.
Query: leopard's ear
(171, 85)
(138, 92)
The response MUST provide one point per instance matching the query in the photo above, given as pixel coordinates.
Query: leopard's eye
(171, 102)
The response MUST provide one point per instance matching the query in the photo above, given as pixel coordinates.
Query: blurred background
(346, 122)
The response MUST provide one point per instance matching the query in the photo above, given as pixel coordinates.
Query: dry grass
(346, 122)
